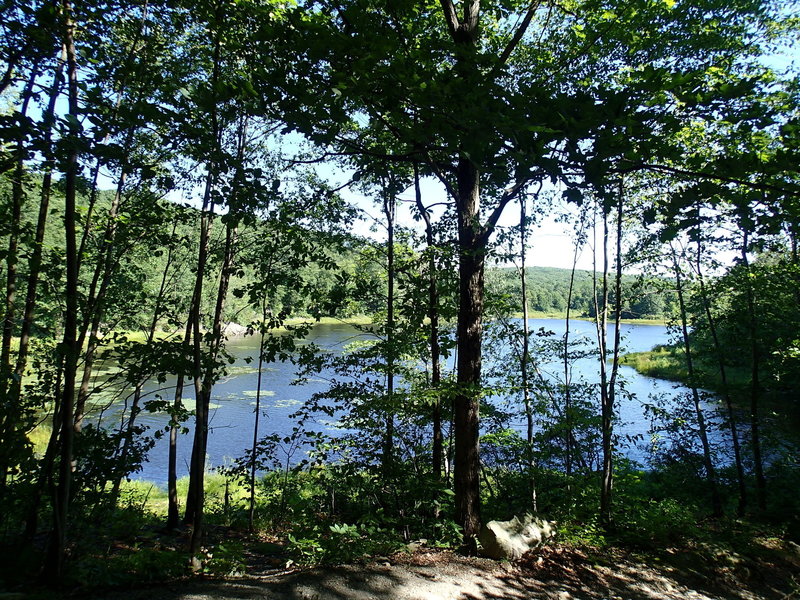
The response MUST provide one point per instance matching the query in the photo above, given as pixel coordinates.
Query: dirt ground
(556, 573)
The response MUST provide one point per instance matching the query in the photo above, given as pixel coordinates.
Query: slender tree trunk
(569, 436)
(54, 561)
(35, 262)
(95, 308)
(526, 395)
(388, 442)
(127, 441)
(18, 196)
(723, 374)
(173, 511)
(10, 410)
(606, 406)
(251, 512)
(755, 382)
(433, 318)
(711, 473)
(194, 498)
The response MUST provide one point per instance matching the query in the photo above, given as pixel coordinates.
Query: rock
(511, 539)
(234, 329)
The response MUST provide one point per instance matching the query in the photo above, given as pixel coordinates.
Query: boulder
(509, 540)
(232, 329)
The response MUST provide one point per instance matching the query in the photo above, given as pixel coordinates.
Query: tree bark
(472, 248)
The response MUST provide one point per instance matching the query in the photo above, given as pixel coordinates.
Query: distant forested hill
(548, 290)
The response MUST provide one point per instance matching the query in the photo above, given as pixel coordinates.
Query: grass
(669, 362)
(662, 362)
(154, 497)
(536, 314)
(40, 436)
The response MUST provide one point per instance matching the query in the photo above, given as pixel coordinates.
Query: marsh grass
(669, 362)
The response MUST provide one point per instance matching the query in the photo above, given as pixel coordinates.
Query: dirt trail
(558, 574)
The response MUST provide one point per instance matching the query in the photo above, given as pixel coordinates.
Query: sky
(551, 243)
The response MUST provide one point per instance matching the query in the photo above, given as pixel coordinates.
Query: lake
(233, 399)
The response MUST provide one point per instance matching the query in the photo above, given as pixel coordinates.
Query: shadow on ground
(558, 573)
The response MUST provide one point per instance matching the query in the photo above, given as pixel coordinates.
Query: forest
(178, 175)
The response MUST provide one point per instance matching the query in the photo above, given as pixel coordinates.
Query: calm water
(233, 400)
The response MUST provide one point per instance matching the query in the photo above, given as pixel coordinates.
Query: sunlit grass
(662, 362)
(40, 436)
(155, 498)
(669, 362)
(574, 315)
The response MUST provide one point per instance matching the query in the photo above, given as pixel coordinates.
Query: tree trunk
(433, 333)
(472, 248)
(755, 382)
(251, 512)
(173, 511)
(526, 397)
(34, 268)
(95, 303)
(194, 498)
(54, 561)
(568, 437)
(127, 441)
(711, 474)
(723, 374)
(17, 199)
(606, 402)
(35, 262)
(10, 410)
(203, 388)
(388, 442)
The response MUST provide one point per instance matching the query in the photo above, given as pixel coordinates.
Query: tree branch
(766, 187)
(507, 196)
(519, 32)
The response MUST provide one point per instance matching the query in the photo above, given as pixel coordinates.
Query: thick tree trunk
(204, 381)
(472, 248)
(34, 268)
(194, 497)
